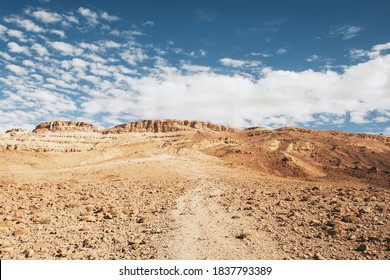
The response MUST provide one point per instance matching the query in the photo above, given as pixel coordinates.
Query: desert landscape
(171, 189)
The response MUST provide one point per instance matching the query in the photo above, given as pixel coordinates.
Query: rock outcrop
(66, 126)
(17, 131)
(158, 126)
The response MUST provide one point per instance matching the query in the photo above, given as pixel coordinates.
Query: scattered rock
(6, 224)
(29, 253)
(20, 232)
(362, 247)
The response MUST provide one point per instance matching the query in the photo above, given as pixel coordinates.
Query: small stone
(6, 224)
(40, 246)
(362, 247)
(7, 249)
(116, 214)
(28, 253)
(85, 228)
(84, 214)
(62, 253)
(90, 219)
(373, 238)
(351, 237)
(20, 232)
(41, 220)
(317, 256)
(349, 219)
(365, 210)
(315, 222)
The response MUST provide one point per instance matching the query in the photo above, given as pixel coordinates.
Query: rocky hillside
(286, 152)
(157, 126)
(65, 126)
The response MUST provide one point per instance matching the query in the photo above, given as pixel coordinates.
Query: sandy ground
(161, 198)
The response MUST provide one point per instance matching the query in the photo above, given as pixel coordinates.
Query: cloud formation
(346, 32)
(114, 78)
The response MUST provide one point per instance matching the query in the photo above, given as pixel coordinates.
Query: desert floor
(137, 197)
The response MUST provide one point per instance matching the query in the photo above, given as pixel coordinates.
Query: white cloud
(195, 68)
(263, 54)
(46, 17)
(375, 51)
(236, 63)
(232, 62)
(111, 44)
(91, 16)
(6, 56)
(93, 79)
(312, 58)
(17, 69)
(70, 19)
(96, 58)
(346, 32)
(88, 46)
(15, 48)
(65, 48)
(277, 98)
(41, 50)
(107, 77)
(148, 23)
(281, 51)
(26, 24)
(28, 63)
(61, 83)
(386, 131)
(133, 56)
(106, 16)
(3, 29)
(17, 34)
(79, 63)
(60, 33)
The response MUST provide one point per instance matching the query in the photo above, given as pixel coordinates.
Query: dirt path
(206, 231)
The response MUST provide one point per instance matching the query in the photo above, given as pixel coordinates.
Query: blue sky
(315, 64)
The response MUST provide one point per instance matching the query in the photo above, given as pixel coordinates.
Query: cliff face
(69, 126)
(153, 126)
(156, 126)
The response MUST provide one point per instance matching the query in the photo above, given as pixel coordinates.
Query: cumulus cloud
(237, 63)
(26, 24)
(133, 56)
(278, 98)
(79, 63)
(375, 51)
(17, 69)
(39, 49)
(65, 48)
(60, 33)
(17, 34)
(111, 44)
(15, 48)
(124, 79)
(46, 17)
(6, 56)
(108, 17)
(3, 29)
(91, 16)
(312, 58)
